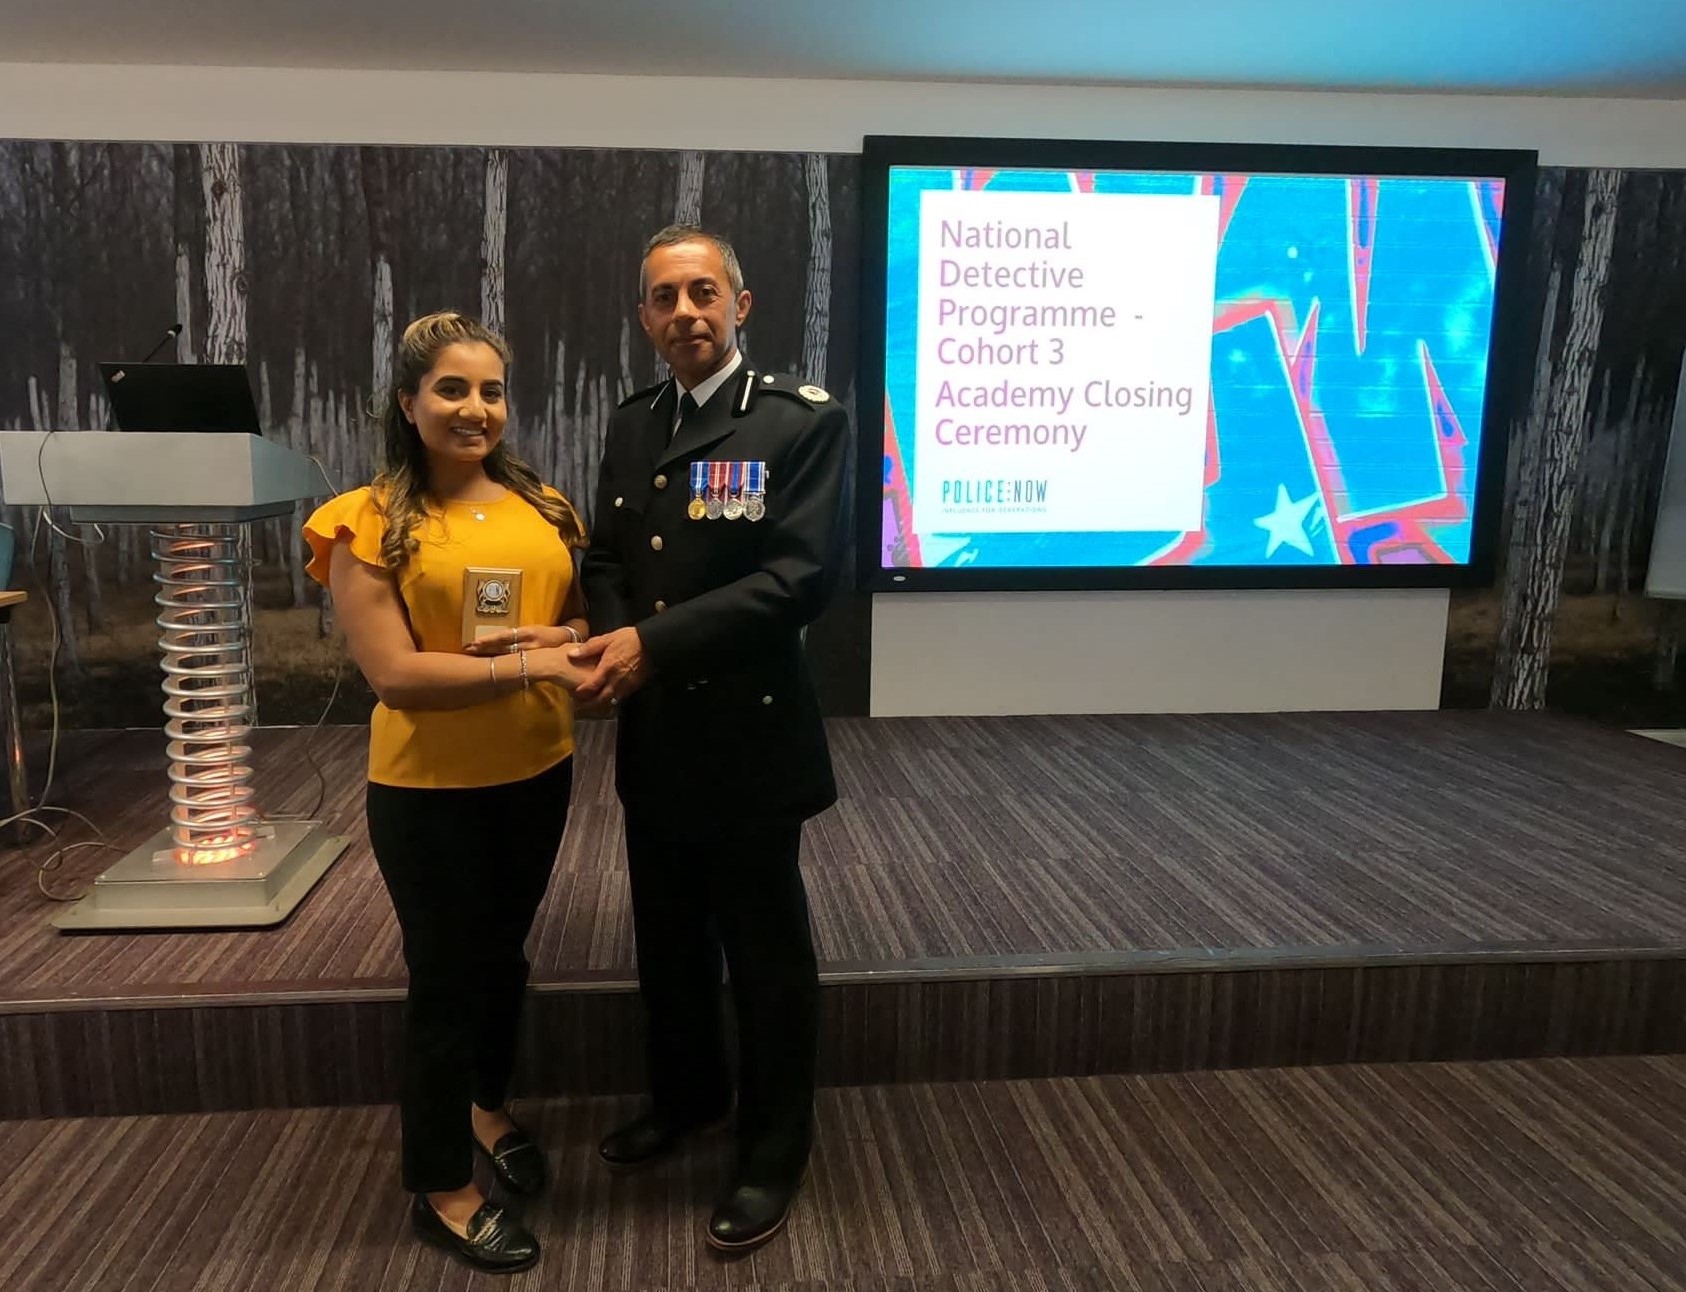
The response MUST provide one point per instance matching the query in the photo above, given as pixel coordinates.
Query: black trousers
(737, 893)
(466, 870)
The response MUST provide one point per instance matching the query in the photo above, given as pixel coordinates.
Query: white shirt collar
(706, 388)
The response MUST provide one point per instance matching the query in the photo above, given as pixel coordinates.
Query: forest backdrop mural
(1606, 297)
(303, 262)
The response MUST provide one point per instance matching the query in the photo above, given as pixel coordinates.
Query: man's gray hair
(674, 234)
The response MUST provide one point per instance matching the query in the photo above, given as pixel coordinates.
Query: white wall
(1096, 652)
(52, 101)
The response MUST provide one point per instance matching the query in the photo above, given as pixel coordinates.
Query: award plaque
(491, 602)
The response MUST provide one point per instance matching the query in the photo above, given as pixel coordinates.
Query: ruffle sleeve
(353, 516)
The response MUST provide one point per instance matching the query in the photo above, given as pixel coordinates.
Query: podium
(216, 863)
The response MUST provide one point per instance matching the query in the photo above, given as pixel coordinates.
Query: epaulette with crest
(791, 387)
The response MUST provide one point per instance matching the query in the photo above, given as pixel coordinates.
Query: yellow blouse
(509, 737)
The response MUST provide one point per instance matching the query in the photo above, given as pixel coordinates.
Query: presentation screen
(1160, 365)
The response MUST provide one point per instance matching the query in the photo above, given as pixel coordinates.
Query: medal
(755, 490)
(698, 509)
(716, 490)
(734, 493)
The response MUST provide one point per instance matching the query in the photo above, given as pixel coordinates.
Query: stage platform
(1014, 897)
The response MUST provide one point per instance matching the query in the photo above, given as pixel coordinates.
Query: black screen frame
(1510, 353)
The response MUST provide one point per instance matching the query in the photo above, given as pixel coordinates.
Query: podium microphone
(170, 335)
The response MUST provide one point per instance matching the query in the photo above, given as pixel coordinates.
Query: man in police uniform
(717, 539)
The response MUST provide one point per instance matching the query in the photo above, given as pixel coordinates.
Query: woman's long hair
(401, 490)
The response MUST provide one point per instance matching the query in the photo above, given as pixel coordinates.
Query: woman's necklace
(475, 509)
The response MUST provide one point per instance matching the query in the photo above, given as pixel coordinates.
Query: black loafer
(650, 1138)
(516, 1161)
(496, 1242)
(750, 1215)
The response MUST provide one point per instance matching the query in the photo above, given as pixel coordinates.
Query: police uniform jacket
(728, 726)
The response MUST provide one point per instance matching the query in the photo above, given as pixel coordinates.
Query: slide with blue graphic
(1144, 368)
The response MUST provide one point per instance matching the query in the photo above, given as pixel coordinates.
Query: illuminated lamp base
(151, 889)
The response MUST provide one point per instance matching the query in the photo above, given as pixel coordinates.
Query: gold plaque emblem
(491, 597)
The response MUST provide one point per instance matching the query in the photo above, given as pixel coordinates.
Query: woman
(470, 752)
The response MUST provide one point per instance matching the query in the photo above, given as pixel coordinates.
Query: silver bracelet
(525, 681)
(573, 632)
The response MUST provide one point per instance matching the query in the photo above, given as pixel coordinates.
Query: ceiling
(1634, 48)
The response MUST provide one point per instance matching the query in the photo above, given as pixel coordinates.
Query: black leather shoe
(516, 1161)
(750, 1215)
(497, 1243)
(648, 1139)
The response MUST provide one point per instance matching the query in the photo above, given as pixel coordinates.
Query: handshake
(599, 672)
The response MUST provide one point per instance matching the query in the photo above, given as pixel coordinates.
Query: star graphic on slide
(1286, 524)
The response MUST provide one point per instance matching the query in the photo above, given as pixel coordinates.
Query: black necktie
(687, 407)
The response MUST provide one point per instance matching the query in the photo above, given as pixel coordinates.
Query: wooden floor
(1015, 837)
(1545, 1176)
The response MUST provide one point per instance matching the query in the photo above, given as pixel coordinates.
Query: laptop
(181, 397)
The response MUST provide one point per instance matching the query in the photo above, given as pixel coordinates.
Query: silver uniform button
(766, 699)
(656, 541)
(660, 606)
(619, 501)
(660, 482)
